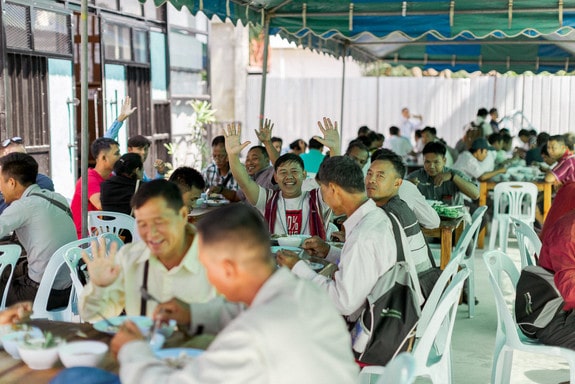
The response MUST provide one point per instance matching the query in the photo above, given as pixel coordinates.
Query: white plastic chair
(465, 249)
(9, 255)
(528, 242)
(509, 337)
(331, 228)
(400, 370)
(53, 269)
(511, 199)
(100, 222)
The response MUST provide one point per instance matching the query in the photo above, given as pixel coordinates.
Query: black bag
(427, 280)
(387, 324)
(537, 299)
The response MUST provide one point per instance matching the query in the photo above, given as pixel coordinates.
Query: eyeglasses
(15, 140)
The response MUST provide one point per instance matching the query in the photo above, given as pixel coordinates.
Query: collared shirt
(368, 252)
(291, 333)
(94, 181)
(263, 178)
(187, 281)
(213, 178)
(41, 227)
(43, 181)
(564, 171)
(474, 168)
(312, 160)
(448, 192)
(398, 144)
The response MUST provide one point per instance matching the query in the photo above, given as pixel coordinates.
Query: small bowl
(36, 357)
(82, 353)
(292, 240)
(10, 341)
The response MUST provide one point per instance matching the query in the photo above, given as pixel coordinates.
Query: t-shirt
(94, 181)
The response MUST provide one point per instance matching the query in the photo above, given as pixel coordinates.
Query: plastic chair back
(100, 222)
(9, 255)
(528, 242)
(400, 370)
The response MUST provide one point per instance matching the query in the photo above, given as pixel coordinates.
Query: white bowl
(292, 240)
(82, 353)
(10, 341)
(36, 357)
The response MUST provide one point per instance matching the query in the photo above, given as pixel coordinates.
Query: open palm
(102, 269)
(330, 134)
(233, 144)
(265, 133)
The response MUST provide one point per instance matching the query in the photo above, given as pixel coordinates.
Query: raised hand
(330, 135)
(233, 136)
(127, 109)
(102, 269)
(265, 133)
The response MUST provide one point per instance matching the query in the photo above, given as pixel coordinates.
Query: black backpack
(537, 299)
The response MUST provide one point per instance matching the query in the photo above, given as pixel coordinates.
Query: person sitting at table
(218, 175)
(370, 249)
(563, 203)
(191, 184)
(479, 162)
(398, 143)
(43, 223)
(163, 262)
(437, 182)
(117, 191)
(275, 328)
(287, 210)
(429, 135)
(564, 171)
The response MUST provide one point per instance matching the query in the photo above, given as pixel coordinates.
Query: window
(140, 42)
(117, 42)
(17, 26)
(51, 32)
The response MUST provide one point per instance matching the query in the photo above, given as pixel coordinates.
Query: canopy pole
(84, 113)
(342, 97)
(377, 101)
(264, 69)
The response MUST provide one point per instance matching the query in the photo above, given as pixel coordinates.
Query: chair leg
(503, 235)
(504, 365)
(471, 290)
(493, 233)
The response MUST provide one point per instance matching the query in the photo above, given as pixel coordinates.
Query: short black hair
(186, 178)
(542, 138)
(363, 130)
(482, 112)
(288, 158)
(127, 164)
(159, 188)
(393, 130)
(261, 149)
(417, 133)
(295, 144)
(357, 143)
(558, 138)
(431, 130)
(314, 144)
(277, 140)
(342, 171)
(101, 144)
(492, 110)
(523, 132)
(218, 140)
(235, 222)
(434, 147)
(493, 138)
(395, 160)
(138, 141)
(365, 140)
(21, 167)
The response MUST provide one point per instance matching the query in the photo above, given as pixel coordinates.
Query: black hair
(288, 158)
(138, 141)
(314, 144)
(277, 139)
(542, 138)
(544, 150)
(261, 149)
(482, 112)
(186, 178)
(342, 171)
(357, 143)
(418, 133)
(363, 130)
(218, 140)
(431, 130)
(493, 138)
(523, 132)
(492, 110)
(558, 138)
(295, 144)
(393, 158)
(21, 167)
(434, 147)
(393, 130)
(127, 164)
(159, 188)
(101, 144)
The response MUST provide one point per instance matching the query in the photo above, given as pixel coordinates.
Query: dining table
(14, 371)
(444, 232)
(489, 185)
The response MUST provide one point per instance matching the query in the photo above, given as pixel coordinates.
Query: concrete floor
(473, 341)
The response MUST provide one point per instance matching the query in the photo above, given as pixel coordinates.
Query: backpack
(386, 326)
(472, 132)
(537, 300)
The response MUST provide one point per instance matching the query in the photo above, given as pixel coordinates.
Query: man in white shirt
(410, 124)
(479, 162)
(288, 333)
(397, 143)
(165, 261)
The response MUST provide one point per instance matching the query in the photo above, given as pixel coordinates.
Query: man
(41, 220)
(140, 145)
(278, 143)
(164, 261)
(564, 171)
(287, 210)
(429, 135)
(369, 250)
(191, 184)
(410, 124)
(258, 166)
(479, 162)
(563, 202)
(298, 147)
(16, 144)
(437, 182)
(558, 256)
(106, 152)
(376, 141)
(363, 131)
(218, 175)
(494, 115)
(313, 158)
(481, 122)
(397, 143)
(288, 333)
(358, 152)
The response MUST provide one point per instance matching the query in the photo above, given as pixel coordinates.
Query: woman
(117, 191)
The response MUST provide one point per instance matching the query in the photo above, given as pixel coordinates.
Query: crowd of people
(221, 277)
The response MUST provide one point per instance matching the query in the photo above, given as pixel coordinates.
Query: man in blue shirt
(313, 159)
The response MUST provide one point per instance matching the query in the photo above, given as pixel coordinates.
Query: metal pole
(85, 136)
(264, 69)
(342, 98)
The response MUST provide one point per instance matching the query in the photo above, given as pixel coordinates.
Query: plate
(174, 353)
(142, 322)
(316, 266)
(280, 247)
(217, 203)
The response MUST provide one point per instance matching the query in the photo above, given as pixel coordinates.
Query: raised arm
(265, 136)
(330, 136)
(233, 148)
(468, 188)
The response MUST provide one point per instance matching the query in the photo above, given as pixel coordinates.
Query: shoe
(464, 299)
